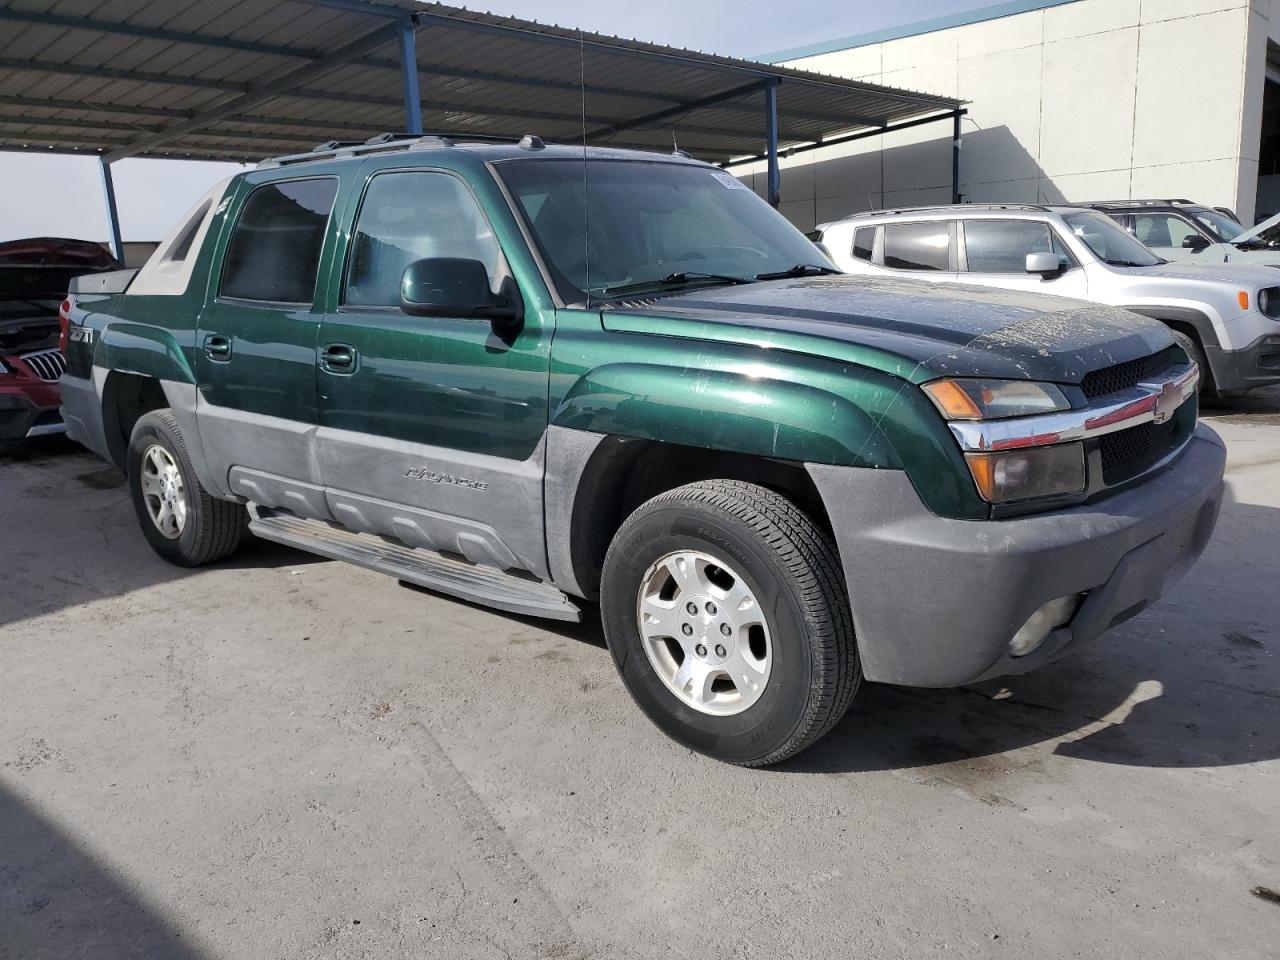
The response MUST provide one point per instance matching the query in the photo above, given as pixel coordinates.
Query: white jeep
(1225, 315)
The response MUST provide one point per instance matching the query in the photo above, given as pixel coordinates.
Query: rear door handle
(217, 347)
(339, 358)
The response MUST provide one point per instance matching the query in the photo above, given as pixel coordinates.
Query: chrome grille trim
(1153, 401)
(48, 364)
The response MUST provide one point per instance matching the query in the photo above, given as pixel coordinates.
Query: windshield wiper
(1130, 263)
(675, 280)
(799, 270)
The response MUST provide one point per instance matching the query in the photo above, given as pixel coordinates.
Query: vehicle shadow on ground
(1192, 682)
(76, 537)
(56, 901)
(1258, 407)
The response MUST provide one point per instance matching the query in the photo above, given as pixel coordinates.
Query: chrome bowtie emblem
(1166, 403)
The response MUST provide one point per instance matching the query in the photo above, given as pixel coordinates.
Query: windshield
(1220, 225)
(1108, 241)
(646, 226)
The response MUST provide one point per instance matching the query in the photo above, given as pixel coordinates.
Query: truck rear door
(256, 344)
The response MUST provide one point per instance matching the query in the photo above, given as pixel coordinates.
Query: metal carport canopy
(246, 79)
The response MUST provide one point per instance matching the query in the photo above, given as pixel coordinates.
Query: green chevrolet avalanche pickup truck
(536, 376)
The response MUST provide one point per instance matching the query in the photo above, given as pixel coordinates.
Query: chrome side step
(425, 568)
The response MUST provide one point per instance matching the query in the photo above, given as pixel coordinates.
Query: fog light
(1054, 614)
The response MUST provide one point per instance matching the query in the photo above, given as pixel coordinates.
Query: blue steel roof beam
(306, 94)
(675, 111)
(276, 84)
(171, 113)
(135, 128)
(303, 53)
(723, 65)
(297, 53)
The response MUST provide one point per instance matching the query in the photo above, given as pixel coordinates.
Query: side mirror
(457, 287)
(1194, 242)
(1045, 264)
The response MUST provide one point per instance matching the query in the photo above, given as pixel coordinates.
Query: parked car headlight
(1029, 473)
(1269, 302)
(993, 399)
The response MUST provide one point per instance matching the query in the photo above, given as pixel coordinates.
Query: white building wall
(1091, 100)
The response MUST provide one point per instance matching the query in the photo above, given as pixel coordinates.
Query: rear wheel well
(624, 473)
(126, 397)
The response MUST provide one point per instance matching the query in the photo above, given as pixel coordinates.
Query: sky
(62, 195)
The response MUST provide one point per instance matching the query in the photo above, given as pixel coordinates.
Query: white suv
(1226, 316)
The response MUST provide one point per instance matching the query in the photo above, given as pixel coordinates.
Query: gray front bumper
(936, 601)
(1257, 365)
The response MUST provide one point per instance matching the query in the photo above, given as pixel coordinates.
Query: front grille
(1128, 453)
(1127, 375)
(48, 365)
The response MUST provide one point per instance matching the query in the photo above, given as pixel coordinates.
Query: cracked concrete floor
(287, 757)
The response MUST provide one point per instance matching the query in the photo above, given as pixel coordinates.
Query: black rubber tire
(213, 528)
(794, 570)
(1193, 350)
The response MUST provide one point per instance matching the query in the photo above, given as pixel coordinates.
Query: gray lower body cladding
(82, 412)
(936, 601)
(1257, 365)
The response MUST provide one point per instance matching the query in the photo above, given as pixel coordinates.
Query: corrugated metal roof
(247, 79)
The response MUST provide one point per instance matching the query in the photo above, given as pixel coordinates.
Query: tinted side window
(917, 246)
(1162, 229)
(412, 216)
(182, 246)
(1001, 246)
(864, 241)
(275, 248)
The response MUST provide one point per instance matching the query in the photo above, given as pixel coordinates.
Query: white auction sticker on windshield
(729, 180)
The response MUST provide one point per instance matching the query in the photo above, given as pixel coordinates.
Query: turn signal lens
(993, 399)
(1243, 297)
(1028, 474)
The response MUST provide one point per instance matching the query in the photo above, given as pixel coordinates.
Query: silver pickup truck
(1225, 316)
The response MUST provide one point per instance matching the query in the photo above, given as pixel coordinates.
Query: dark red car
(34, 275)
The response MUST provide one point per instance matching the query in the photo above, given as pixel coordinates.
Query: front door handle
(338, 358)
(217, 347)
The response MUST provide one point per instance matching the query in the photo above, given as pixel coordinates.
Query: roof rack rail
(1171, 202)
(950, 208)
(386, 142)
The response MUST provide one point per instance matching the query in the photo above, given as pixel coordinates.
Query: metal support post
(409, 73)
(113, 215)
(955, 156)
(774, 192)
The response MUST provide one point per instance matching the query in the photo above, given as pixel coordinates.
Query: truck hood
(1255, 230)
(18, 334)
(945, 329)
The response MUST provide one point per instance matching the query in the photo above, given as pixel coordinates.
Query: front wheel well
(126, 397)
(624, 473)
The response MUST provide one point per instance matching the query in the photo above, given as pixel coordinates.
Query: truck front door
(256, 346)
(431, 428)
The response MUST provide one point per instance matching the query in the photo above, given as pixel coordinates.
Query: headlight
(5, 369)
(1269, 302)
(993, 399)
(1028, 473)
